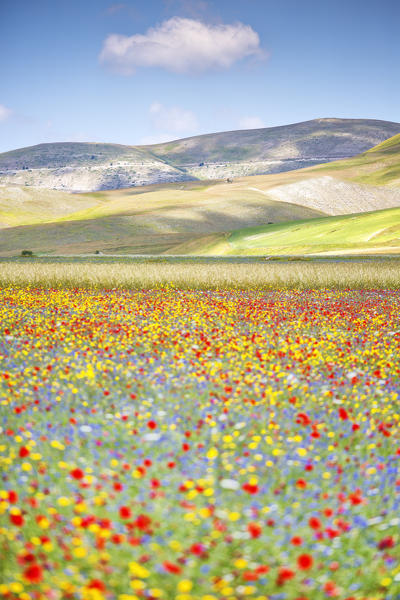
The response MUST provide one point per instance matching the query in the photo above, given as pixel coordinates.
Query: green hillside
(200, 216)
(24, 205)
(367, 233)
(148, 223)
(378, 166)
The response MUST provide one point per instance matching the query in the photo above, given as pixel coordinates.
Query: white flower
(151, 437)
(229, 484)
(85, 428)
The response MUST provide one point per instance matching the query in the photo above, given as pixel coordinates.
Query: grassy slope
(25, 206)
(149, 223)
(187, 217)
(374, 232)
(378, 166)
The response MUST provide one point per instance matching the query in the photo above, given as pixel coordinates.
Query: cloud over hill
(181, 45)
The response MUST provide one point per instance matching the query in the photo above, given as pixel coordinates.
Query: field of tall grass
(340, 275)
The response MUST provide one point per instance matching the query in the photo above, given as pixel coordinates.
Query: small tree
(26, 253)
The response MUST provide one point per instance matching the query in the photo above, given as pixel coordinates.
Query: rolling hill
(145, 225)
(85, 167)
(198, 216)
(379, 165)
(25, 206)
(376, 232)
(275, 149)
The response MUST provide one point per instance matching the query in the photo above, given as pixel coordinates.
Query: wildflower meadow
(199, 445)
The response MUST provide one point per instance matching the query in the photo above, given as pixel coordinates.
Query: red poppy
(77, 473)
(305, 561)
(96, 584)
(250, 488)
(254, 529)
(171, 567)
(125, 512)
(23, 452)
(386, 542)
(314, 523)
(33, 574)
(12, 497)
(284, 575)
(197, 549)
(262, 569)
(296, 540)
(17, 520)
(143, 522)
(26, 558)
(152, 425)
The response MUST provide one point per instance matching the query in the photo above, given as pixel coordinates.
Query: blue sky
(143, 71)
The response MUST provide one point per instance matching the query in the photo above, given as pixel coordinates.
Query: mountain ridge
(87, 166)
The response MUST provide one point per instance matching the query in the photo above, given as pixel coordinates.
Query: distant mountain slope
(274, 149)
(84, 167)
(81, 167)
(368, 233)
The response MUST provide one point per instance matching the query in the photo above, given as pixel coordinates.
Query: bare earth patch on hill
(335, 197)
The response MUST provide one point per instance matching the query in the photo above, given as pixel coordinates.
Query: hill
(148, 223)
(82, 167)
(367, 182)
(378, 166)
(275, 149)
(191, 216)
(23, 205)
(376, 232)
(85, 167)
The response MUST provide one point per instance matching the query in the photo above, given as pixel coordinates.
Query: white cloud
(251, 123)
(5, 112)
(172, 118)
(182, 46)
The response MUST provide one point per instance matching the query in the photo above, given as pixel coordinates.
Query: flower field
(194, 445)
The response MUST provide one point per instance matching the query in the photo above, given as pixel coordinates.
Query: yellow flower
(185, 585)
(138, 570)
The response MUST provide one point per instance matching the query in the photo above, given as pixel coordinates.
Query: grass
(378, 166)
(372, 232)
(25, 206)
(148, 223)
(170, 218)
(295, 275)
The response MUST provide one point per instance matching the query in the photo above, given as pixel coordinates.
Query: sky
(140, 72)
